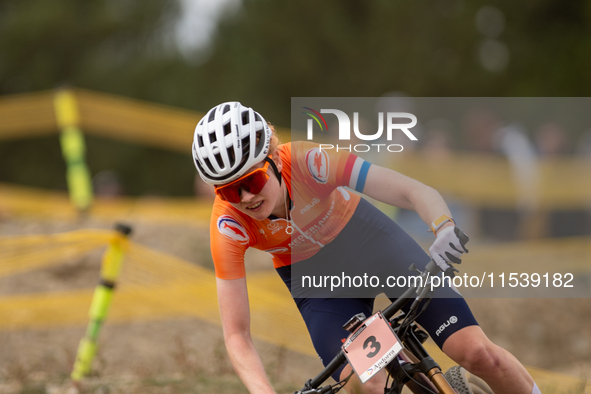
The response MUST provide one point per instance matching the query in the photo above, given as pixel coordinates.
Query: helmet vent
(208, 164)
(227, 129)
(257, 117)
(246, 144)
(226, 109)
(199, 140)
(211, 116)
(245, 118)
(212, 137)
(218, 158)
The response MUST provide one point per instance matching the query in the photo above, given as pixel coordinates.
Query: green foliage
(115, 46)
(275, 50)
(270, 51)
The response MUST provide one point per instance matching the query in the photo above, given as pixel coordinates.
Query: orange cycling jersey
(321, 207)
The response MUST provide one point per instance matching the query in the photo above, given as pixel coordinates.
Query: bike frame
(414, 361)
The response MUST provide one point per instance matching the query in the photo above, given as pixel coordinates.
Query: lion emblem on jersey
(230, 228)
(317, 161)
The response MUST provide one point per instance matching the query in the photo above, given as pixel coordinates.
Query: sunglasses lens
(253, 183)
(229, 193)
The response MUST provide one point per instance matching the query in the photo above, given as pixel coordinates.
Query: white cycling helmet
(228, 141)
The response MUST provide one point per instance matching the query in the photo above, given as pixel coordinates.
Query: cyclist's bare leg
(472, 349)
(375, 385)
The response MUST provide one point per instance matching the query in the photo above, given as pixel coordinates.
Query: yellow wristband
(440, 221)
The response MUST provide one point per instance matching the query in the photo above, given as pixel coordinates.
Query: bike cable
(408, 319)
(339, 385)
(417, 382)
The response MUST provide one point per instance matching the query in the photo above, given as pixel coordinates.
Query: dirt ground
(188, 355)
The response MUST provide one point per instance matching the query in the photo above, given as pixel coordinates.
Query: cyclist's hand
(448, 247)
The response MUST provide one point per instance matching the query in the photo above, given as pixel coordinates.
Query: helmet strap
(277, 173)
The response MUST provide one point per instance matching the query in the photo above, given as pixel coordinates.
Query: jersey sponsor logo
(274, 227)
(309, 206)
(232, 229)
(450, 321)
(317, 161)
(277, 250)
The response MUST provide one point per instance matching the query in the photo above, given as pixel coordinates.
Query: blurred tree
(270, 51)
(122, 46)
(119, 46)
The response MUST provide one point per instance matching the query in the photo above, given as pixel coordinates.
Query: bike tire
(466, 383)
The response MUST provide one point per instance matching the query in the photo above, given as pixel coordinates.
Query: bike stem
(417, 293)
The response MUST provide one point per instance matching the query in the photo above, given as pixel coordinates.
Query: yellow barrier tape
(486, 180)
(46, 204)
(140, 122)
(23, 253)
(27, 115)
(106, 115)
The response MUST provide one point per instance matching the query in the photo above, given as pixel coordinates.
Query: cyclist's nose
(246, 196)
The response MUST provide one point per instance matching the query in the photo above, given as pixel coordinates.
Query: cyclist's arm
(235, 313)
(396, 189)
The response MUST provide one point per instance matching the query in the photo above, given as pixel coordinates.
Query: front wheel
(466, 383)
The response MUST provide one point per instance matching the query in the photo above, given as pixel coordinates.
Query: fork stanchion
(101, 300)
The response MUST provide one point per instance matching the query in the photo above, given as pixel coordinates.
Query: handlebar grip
(461, 236)
(432, 268)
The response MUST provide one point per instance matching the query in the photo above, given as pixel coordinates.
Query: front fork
(426, 374)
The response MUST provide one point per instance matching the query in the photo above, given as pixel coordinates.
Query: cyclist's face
(269, 200)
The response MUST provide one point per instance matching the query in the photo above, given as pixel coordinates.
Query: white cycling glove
(448, 247)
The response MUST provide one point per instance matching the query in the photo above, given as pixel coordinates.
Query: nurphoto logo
(395, 122)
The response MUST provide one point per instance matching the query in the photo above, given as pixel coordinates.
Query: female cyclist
(289, 200)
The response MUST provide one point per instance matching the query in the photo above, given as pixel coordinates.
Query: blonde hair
(275, 142)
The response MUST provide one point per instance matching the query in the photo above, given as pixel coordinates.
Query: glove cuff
(440, 221)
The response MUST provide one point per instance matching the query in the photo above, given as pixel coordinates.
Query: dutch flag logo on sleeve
(230, 228)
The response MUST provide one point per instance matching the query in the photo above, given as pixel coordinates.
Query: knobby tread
(457, 378)
(466, 383)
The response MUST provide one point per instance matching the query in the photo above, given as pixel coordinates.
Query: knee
(481, 359)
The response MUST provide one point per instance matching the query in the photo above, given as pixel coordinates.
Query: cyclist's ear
(277, 160)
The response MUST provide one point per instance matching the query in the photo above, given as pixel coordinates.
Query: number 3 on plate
(371, 347)
(372, 343)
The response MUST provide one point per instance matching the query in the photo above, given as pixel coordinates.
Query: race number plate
(371, 347)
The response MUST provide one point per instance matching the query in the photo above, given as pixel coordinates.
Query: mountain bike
(391, 340)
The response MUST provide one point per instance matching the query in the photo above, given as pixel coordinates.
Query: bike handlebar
(320, 390)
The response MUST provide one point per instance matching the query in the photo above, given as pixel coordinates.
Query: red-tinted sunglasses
(253, 182)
